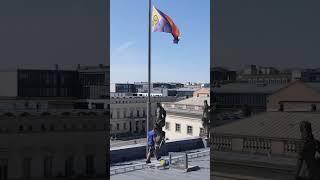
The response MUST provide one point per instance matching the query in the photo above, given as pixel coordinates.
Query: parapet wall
(134, 152)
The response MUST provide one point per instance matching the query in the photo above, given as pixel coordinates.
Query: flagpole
(149, 73)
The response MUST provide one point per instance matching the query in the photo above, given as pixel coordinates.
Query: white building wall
(172, 134)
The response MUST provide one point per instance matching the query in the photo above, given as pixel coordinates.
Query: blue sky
(187, 61)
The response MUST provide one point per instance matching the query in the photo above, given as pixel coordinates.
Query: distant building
(94, 81)
(250, 70)
(125, 88)
(310, 75)
(297, 96)
(87, 82)
(269, 139)
(53, 145)
(222, 74)
(234, 96)
(39, 83)
(128, 115)
(266, 78)
(203, 92)
(267, 75)
(182, 92)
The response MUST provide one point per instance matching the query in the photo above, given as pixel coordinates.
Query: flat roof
(283, 125)
(247, 88)
(151, 172)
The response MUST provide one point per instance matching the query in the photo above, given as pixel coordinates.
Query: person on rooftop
(152, 150)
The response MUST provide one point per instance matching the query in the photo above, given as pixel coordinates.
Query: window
(118, 126)
(281, 108)
(178, 127)
(3, 169)
(43, 128)
(90, 165)
(47, 168)
(51, 127)
(137, 126)
(201, 131)
(20, 128)
(69, 167)
(125, 126)
(118, 114)
(138, 113)
(313, 107)
(125, 113)
(167, 126)
(189, 130)
(26, 166)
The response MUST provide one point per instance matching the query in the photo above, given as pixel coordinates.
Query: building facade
(184, 118)
(52, 145)
(128, 115)
(94, 81)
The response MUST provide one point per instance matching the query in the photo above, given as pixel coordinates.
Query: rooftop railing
(257, 145)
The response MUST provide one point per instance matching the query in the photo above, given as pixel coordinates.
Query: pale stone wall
(172, 134)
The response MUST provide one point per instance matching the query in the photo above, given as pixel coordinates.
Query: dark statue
(206, 118)
(160, 123)
(308, 164)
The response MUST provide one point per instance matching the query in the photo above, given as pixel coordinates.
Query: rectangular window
(167, 126)
(26, 166)
(178, 128)
(47, 168)
(118, 127)
(201, 131)
(137, 126)
(125, 126)
(189, 130)
(69, 170)
(3, 169)
(90, 165)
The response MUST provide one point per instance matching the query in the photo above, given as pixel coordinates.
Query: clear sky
(187, 61)
(276, 33)
(39, 34)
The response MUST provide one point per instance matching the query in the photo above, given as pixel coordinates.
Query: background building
(87, 82)
(51, 145)
(94, 81)
(128, 115)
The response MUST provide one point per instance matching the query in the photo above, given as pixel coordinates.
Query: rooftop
(247, 88)
(137, 170)
(196, 101)
(283, 125)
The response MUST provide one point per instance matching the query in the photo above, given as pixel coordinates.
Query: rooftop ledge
(138, 151)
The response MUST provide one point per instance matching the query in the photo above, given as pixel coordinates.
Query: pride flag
(163, 23)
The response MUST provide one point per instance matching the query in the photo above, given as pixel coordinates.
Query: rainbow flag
(163, 23)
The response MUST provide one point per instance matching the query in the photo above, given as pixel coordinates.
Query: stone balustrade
(259, 145)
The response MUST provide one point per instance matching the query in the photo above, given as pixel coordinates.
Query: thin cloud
(125, 46)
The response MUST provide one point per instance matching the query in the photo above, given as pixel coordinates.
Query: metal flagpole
(149, 72)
